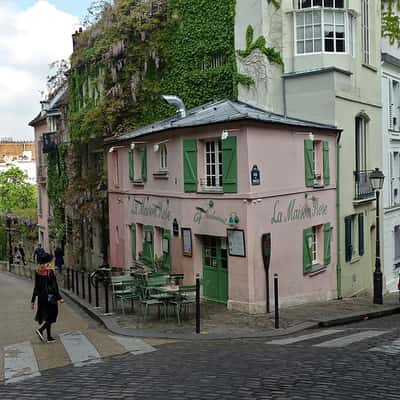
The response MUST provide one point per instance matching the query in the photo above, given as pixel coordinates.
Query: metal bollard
(83, 284)
(77, 282)
(197, 303)
(89, 289)
(106, 297)
(73, 280)
(97, 295)
(276, 301)
(68, 282)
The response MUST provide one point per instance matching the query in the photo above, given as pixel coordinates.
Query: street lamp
(376, 179)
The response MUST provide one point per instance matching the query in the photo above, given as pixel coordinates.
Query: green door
(215, 269)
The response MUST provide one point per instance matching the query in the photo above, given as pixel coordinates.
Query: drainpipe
(338, 255)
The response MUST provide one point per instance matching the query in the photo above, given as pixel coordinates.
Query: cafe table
(165, 294)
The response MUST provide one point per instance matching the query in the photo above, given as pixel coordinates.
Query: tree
(15, 192)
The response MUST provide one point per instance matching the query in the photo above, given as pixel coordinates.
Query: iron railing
(363, 188)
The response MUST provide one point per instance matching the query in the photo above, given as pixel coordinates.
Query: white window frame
(365, 33)
(218, 164)
(348, 29)
(314, 245)
(361, 143)
(116, 168)
(163, 157)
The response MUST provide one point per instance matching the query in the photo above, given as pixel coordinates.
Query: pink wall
(278, 152)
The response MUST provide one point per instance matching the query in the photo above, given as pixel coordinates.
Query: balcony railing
(363, 189)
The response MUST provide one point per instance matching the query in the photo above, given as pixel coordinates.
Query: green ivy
(276, 3)
(391, 21)
(187, 50)
(56, 184)
(272, 54)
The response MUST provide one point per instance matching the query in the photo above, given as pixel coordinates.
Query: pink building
(196, 193)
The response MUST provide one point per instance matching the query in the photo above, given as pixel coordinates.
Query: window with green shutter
(327, 244)
(190, 165)
(326, 163)
(131, 165)
(143, 160)
(348, 237)
(307, 250)
(309, 162)
(361, 234)
(229, 164)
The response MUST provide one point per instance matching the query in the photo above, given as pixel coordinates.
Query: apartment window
(316, 161)
(354, 236)
(394, 179)
(365, 44)
(397, 244)
(219, 171)
(316, 247)
(116, 167)
(323, 26)
(163, 157)
(213, 164)
(361, 144)
(137, 163)
(394, 105)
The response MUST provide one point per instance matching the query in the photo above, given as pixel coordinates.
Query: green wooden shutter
(309, 162)
(307, 256)
(189, 165)
(133, 241)
(327, 244)
(143, 156)
(130, 164)
(326, 163)
(166, 249)
(229, 165)
(348, 238)
(361, 234)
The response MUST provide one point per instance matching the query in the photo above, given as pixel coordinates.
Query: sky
(33, 33)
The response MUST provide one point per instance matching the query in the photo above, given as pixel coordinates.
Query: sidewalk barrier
(83, 284)
(197, 303)
(276, 295)
(89, 288)
(77, 282)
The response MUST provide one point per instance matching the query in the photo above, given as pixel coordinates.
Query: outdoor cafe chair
(185, 296)
(123, 290)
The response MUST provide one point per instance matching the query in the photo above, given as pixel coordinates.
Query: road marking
(79, 349)
(133, 345)
(393, 348)
(305, 337)
(20, 362)
(349, 339)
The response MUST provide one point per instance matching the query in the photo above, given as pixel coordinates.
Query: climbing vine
(56, 184)
(391, 20)
(272, 54)
(137, 51)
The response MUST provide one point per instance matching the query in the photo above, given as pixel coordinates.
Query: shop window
(219, 172)
(148, 245)
(316, 247)
(316, 161)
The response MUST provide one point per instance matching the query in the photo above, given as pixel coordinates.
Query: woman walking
(47, 293)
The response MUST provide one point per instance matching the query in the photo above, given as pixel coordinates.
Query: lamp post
(376, 178)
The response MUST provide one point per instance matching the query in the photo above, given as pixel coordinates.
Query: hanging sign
(255, 176)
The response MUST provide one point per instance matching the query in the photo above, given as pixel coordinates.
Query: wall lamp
(225, 133)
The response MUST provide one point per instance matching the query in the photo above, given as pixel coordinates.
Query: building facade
(194, 195)
(331, 74)
(391, 162)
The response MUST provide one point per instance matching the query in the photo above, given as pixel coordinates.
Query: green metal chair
(183, 299)
(123, 289)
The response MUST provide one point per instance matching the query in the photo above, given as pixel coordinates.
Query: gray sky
(33, 33)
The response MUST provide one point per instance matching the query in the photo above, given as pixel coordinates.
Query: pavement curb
(109, 323)
(357, 317)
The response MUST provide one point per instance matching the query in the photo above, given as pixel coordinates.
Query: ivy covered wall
(140, 50)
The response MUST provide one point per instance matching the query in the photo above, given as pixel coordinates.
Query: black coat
(45, 285)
